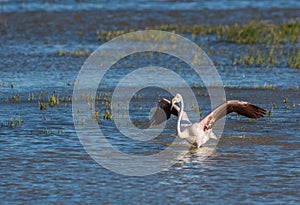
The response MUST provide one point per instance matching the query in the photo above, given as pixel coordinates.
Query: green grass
(252, 32)
(268, 57)
(293, 58)
(260, 32)
(16, 97)
(16, 121)
(53, 100)
(271, 44)
(77, 53)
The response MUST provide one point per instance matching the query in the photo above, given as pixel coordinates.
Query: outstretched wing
(163, 112)
(240, 107)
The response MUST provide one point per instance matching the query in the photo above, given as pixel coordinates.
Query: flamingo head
(176, 99)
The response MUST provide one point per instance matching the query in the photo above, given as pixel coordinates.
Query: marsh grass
(259, 32)
(293, 58)
(108, 115)
(53, 100)
(42, 105)
(77, 53)
(97, 117)
(252, 32)
(31, 96)
(71, 83)
(16, 97)
(268, 57)
(14, 122)
(271, 44)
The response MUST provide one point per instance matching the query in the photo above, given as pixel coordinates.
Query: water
(73, 5)
(42, 159)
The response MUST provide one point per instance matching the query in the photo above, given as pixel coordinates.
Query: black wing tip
(257, 112)
(248, 109)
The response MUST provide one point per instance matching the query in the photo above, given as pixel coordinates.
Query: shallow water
(73, 5)
(43, 161)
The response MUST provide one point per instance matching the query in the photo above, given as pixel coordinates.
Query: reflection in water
(197, 155)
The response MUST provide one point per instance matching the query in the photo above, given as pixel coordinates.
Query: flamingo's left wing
(240, 107)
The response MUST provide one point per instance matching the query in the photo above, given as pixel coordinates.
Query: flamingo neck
(179, 119)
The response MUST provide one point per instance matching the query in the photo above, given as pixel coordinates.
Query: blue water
(166, 5)
(42, 161)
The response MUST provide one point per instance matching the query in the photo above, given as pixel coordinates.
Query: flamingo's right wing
(163, 112)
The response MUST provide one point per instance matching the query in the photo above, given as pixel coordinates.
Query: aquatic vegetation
(42, 106)
(267, 57)
(199, 93)
(80, 33)
(53, 101)
(195, 109)
(16, 97)
(31, 96)
(16, 121)
(137, 97)
(66, 99)
(259, 61)
(46, 131)
(108, 35)
(137, 123)
(252, 32)
(266, 40)
(269, 87)
(78, 53)
(293, 58)
(272, 58)
(259, 32)
(41, 95)
(249, 60)
(293, 104)
(106, 99)
(71, 83)
(83, 121)
(194, 85)
(108, 115)
(62, 53)
(96, 116)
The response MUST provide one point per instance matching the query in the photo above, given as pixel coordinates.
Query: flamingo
(199, 133)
